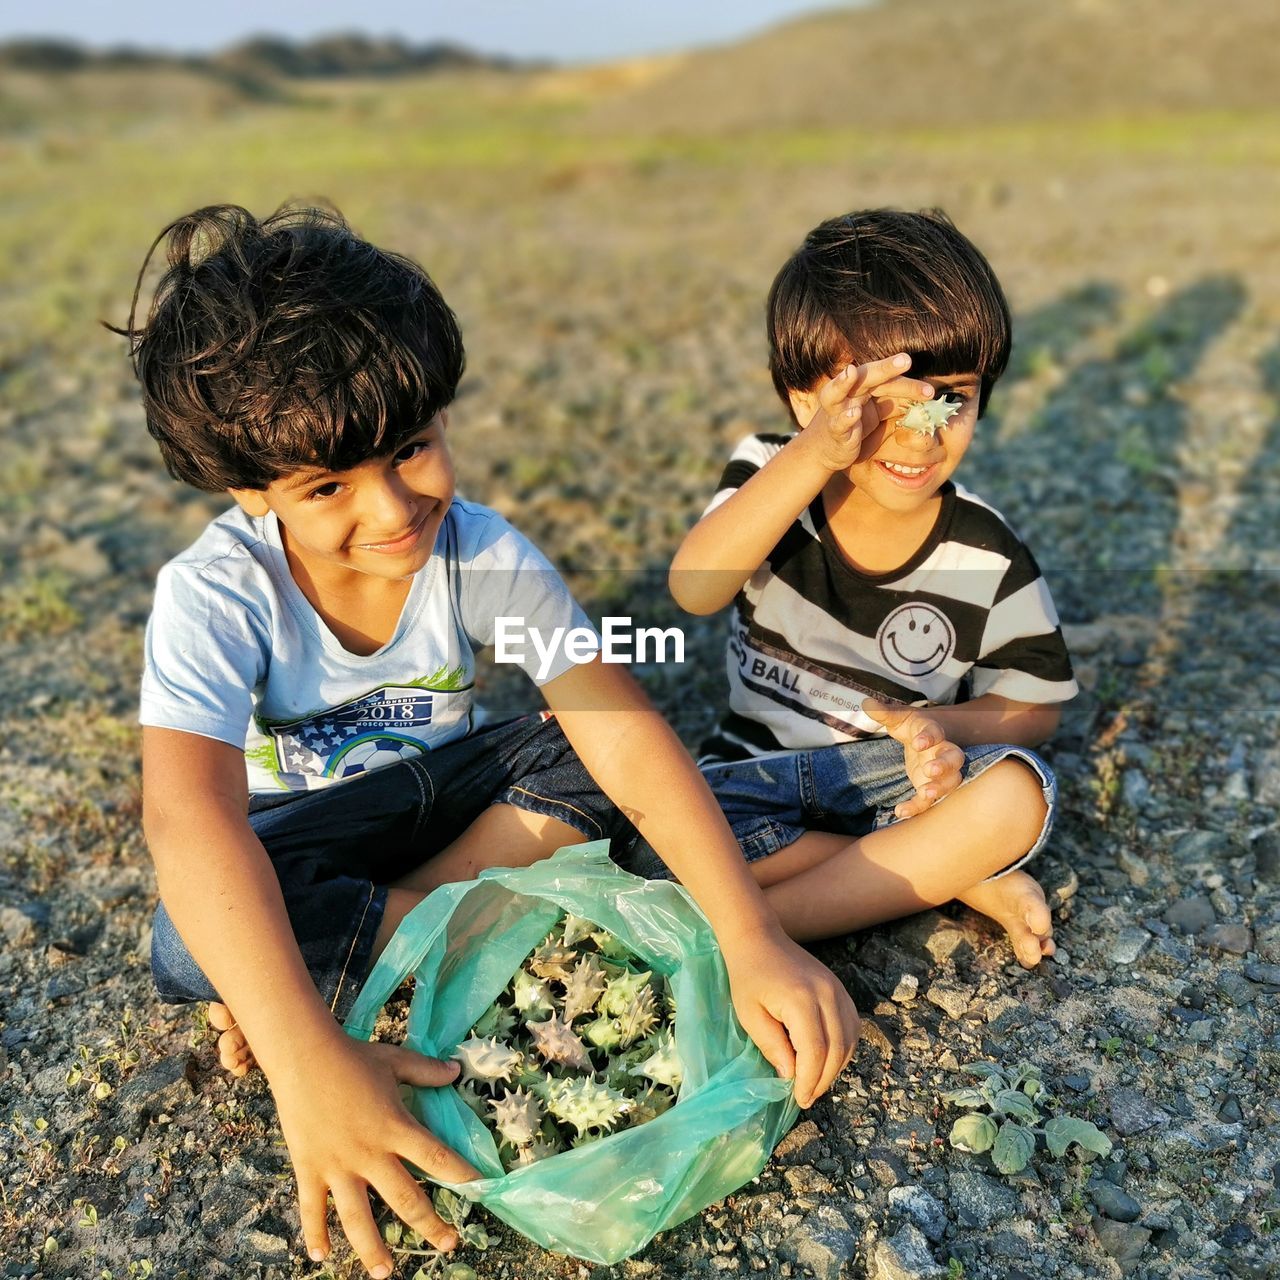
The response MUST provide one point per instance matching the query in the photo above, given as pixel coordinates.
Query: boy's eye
(325, 490)
(413, 448)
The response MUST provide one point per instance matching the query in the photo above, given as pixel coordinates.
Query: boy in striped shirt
(892, 644)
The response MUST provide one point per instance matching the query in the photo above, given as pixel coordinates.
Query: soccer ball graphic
(366, 754)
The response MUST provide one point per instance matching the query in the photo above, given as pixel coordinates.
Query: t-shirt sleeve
(511, 597)
(205, 653)
(1023, 655)
(749, 456)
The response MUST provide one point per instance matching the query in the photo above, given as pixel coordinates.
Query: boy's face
(901, 469)
(380, 518)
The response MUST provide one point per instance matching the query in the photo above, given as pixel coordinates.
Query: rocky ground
(611, 303)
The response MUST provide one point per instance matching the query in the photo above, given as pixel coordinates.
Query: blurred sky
(565, 30)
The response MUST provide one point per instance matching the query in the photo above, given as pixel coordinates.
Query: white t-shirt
(234, 650)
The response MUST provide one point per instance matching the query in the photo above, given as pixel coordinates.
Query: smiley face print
(915, 640)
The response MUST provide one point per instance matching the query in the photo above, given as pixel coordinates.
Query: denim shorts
(850, 788)
(336, 850)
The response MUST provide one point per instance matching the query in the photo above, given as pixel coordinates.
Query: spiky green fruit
(496, 1022)
(621, 992)
(662, 1066)
(555, 1042)
(486, 1061)
(926, 416)
(583, 987)
(574, 929)
(532, 996)
(517, 1116)
(552, 960)
(586, 1104)
(639, 1018)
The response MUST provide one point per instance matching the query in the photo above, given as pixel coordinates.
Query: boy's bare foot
(233, 1049)
(1016, 902)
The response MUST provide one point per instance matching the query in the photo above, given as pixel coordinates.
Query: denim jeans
(336, 850)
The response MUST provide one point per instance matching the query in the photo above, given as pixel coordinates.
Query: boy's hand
(933, 764)
(848, 408)
(795, 1010)
(349, 1132)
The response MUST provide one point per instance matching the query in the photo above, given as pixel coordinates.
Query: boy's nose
(391, 507)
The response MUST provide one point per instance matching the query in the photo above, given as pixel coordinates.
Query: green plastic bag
(604, 1201)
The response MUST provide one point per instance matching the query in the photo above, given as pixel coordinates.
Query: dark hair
(871, 284)
(286, 343)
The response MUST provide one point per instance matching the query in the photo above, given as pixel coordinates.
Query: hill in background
(938, 63)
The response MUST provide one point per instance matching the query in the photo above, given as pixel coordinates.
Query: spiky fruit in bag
(555, 1042)
(517, 1117)
(532, 996)
(552, 960)
(586, 1104)
(575, 929)
(638, 1019)
(617, 1071)
(474, 1099)
(537, 1150)
(621, 992)
(496, 1022)
(583, 987)
(603, 1032)
(609, 946)
(649, 1105)
(662, 1066)
(486, 1061)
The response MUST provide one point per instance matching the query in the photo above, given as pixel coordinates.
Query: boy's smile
(901, 470)
(380, 518)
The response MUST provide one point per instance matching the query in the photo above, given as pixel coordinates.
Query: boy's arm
(992, 718)
(338, 1099)
(730, 543)
(792, 1006)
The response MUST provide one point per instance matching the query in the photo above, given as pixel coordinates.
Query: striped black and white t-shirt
(968, 614)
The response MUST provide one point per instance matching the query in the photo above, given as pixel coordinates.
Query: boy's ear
(804, 404)
(252, 502)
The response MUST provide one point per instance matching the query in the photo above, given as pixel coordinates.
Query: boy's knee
(1015, 796)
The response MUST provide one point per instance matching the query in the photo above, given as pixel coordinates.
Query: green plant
(1009, 1132)
(454, 1210)
(955, 1269)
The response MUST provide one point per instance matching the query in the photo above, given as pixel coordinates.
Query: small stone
(1134, 865)
(1123, 1241)
(1203, 846)
(922, 1208)
(948, 943)
(1266, 776)
(1268, 974)
(1190, 915)
(1266, 852)
(1128, 945)
(1077, 1084)
(887, 1169)
(905, 1256)
(823, 1242)
(980, 1201)
(263, 1247)
(802, 1145)
(805, 1180)
(907, 989)
(1113, 1203)
(1132, 1112)
(162, 1087)
(1235, 939)
(1201, 1032)
(1230, 1111)
(1236, 988)
(18, 928)
(953, 998)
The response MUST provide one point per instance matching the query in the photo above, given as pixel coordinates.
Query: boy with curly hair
(313, 758)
